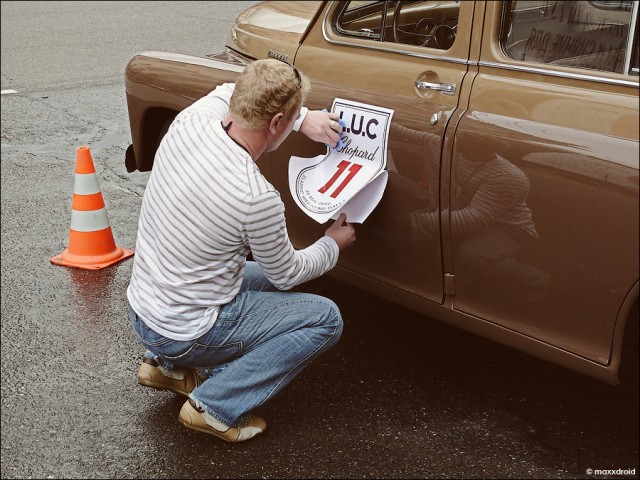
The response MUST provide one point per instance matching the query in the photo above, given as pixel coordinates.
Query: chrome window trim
(399, 52)
(553, 73)
(631, 38)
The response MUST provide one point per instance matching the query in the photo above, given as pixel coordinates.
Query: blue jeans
(261, 340)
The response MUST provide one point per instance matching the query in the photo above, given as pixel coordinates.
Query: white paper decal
(351, 179)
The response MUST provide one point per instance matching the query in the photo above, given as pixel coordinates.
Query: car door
(410, 57)
(544, 196)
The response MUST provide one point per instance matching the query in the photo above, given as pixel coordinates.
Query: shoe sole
(207, 429)
(158, 386)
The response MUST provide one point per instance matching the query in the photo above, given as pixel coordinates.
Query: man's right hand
(342, 232)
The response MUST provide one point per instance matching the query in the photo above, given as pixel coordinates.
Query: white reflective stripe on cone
(86, 184)
(89, 221)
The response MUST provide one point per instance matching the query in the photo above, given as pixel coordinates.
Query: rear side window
(595, 35)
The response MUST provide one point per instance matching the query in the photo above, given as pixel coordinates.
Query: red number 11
(342, 166)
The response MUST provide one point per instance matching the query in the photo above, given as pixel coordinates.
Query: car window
(431, 24)
(588, 34)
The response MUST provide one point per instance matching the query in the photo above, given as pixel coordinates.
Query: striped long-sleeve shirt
(205, 207)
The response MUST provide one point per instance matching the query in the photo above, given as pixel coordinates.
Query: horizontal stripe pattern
(86, 184)
(88, 202)
(89, 220)
(205, 207)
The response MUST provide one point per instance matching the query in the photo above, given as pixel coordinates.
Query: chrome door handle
(446, 88)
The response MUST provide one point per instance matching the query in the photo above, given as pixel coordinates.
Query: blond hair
(265, 88)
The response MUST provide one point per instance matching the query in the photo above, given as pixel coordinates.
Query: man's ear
(275, 121)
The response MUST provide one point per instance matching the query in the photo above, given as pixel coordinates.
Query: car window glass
(587, 34)
(431, 24)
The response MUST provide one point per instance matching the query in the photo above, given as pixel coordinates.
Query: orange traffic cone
(91, 243)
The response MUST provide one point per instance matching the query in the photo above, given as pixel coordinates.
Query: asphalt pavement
(400, 396)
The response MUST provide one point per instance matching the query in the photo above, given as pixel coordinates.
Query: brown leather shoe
(150, 375)
(193, 417)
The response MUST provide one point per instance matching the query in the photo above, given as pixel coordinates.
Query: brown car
(511, 208)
